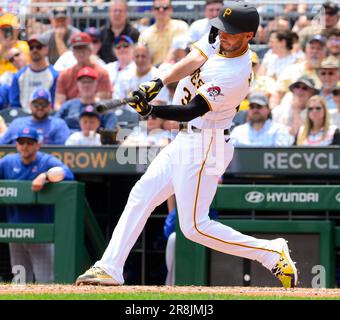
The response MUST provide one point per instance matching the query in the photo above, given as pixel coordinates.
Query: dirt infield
(247, 291)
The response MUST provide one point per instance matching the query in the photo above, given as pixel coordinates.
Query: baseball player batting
(216, 76)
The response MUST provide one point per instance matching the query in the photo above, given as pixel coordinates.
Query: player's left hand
(151, 88)
(141, 106)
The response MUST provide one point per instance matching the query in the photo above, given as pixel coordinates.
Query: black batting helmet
(237, 17)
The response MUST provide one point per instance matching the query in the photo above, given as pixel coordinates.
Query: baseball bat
(105, 105)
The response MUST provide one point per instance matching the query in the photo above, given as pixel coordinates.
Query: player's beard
(226, 48)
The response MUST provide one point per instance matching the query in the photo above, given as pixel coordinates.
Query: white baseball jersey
(222, 82)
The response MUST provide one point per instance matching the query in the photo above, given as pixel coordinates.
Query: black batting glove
(141, 106)
(151, 88)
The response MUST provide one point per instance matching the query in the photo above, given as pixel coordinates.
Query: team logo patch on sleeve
(214, 91)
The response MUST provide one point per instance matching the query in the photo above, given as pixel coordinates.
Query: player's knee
(190, 232)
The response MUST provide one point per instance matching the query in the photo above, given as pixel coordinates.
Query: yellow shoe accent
(285, 269)
(96, 276)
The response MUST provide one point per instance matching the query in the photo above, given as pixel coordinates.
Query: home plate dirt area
(6, 289)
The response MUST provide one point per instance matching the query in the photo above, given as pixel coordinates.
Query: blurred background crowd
(57, 61)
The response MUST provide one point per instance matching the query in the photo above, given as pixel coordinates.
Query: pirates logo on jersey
(214, 91)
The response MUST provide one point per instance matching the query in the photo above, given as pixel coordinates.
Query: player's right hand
(141, 106)
(151, 88)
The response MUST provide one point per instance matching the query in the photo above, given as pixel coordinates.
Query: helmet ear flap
(212, 35)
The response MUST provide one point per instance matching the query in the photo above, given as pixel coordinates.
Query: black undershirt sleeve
(195, 108)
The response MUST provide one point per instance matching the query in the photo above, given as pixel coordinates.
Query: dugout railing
(192, 260)
(73, 219)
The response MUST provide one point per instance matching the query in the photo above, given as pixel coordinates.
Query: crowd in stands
(56, 75)
(53, 75)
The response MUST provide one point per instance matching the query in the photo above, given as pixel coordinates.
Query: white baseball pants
(188, 167)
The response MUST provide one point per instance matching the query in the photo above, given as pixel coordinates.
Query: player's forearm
(196, 108)
(184, 67)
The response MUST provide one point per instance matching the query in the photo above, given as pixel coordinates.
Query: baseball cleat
(285, 269)
(96, 276)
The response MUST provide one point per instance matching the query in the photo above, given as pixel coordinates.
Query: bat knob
(101, 108)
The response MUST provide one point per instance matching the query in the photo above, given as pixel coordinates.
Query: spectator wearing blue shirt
(71, 110)
(51, 130)
(260, 130)
(31, 164)
(38, 74)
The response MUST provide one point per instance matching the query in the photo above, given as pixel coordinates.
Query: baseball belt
(183, 126)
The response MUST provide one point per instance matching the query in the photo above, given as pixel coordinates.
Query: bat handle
(133, 99)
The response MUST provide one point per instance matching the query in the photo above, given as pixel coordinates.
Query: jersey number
(196, 80)
(187, 97)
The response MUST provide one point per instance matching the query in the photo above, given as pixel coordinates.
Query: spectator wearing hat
(202, 26)
(317, 130)
(68, 60)
(329, 74)
(9, 33)
(31, 165)
(18, 59)
(159, 36)
(260, 130)
(38, 74)
(335, 113)
(119, 25)
(292, 109)
(50, 130)
(123, 48)
(87, 82)
(59, 36)
(328, 20)
(331, 12)
(89, 121)
(315, 51)
(67, 82)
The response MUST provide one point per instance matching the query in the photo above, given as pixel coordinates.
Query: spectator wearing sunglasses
(335, 113)
(123, 48)
(119, 25)
(317, 130)
(292, 109)
(260, 130)
(51, 130)
(329, 74)
(59, 37)
(160, 35)
(18, 59)
(31, 165)
(68, 60)
(38, 74)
